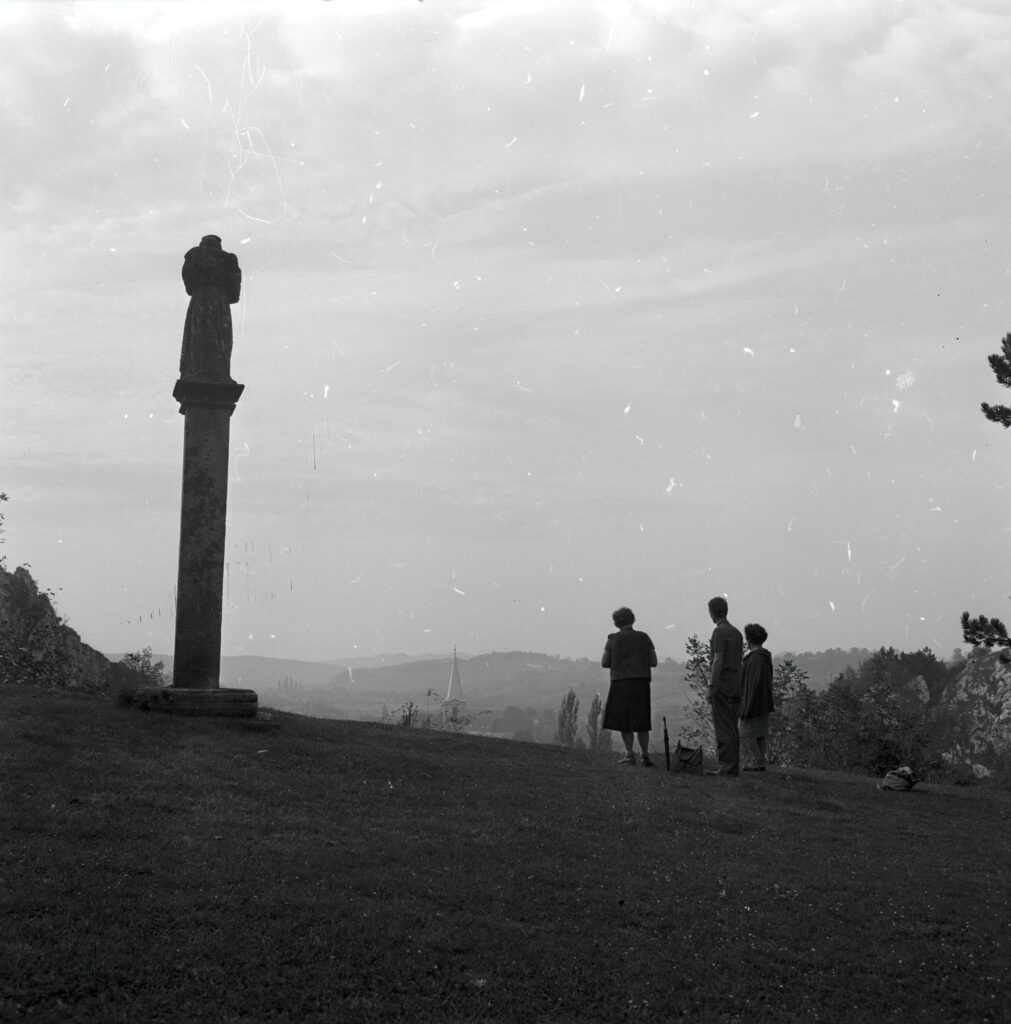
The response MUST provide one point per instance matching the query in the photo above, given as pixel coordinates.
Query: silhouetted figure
(756, 699)
(630, 655)
(725, 649)
(213, 280)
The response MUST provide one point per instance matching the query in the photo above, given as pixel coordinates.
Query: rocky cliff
(980, 706)
(37, 647)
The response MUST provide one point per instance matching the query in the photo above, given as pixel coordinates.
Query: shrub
(132, 672)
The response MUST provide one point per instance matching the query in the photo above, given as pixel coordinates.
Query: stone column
(207, 407)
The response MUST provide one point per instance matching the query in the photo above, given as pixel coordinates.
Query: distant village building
(454, 706)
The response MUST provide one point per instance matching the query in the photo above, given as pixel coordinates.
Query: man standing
(725, 650)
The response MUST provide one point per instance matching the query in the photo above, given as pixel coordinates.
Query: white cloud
(441, 201)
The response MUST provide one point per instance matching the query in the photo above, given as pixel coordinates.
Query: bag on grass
(688, 759)
(898, 778)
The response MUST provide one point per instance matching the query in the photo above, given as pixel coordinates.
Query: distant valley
(534, 682)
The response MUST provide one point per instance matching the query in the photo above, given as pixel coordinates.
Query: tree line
(890, 711)
(896, 708)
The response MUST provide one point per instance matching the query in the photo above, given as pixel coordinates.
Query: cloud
(472, 237)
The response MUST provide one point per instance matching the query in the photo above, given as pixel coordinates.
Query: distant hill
(498, 680)
(824, 666)
(516, 692)
(518, 678)
(256, 673)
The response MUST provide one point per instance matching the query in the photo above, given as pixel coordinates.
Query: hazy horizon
(547, 309)
(431, 656)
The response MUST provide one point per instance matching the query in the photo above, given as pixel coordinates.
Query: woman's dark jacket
(756, 684)
(629, 654)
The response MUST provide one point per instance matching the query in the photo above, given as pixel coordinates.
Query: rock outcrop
(979, 703)
(37, 648)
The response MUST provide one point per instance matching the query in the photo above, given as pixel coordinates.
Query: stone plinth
(207, 407)
(221, 701)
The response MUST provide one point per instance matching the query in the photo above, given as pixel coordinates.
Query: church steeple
(454, 705)
(455, 691)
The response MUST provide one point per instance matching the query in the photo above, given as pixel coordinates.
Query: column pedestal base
(220, 701)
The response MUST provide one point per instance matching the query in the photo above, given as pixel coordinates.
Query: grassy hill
(161, 869)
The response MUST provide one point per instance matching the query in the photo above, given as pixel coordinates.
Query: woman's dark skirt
(628, 706)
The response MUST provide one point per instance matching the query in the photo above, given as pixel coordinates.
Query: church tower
(454, 706)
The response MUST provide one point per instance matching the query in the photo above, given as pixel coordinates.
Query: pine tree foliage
(984, 632)
(1000, 363)
(981, 630)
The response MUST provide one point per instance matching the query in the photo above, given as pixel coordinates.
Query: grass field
(158, 869)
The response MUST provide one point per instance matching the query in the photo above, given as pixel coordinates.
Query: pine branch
(1001, 367)
(997, 413)
(984, 632)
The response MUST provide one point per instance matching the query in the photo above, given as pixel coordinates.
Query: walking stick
(666, 743)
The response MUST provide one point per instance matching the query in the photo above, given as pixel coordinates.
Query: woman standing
(630, 655)
(756, 698)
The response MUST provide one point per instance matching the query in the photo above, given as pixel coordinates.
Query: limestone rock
(37, 647)
(980, 701)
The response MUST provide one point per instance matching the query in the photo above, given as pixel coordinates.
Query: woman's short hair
(755, 634)
(623, 617)
(718, 607)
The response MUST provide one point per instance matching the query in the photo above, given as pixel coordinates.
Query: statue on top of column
(212, 278)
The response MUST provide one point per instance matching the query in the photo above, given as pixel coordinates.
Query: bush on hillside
(133, 672)
(698, 710)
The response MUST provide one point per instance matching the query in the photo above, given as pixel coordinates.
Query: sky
(547, 308)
